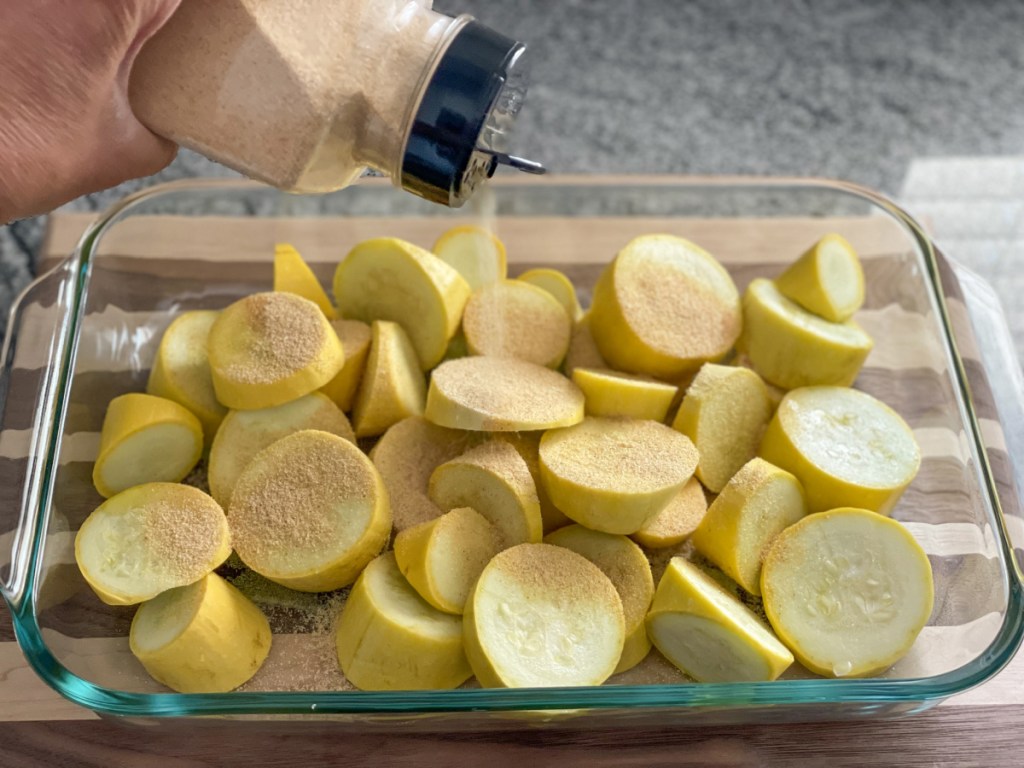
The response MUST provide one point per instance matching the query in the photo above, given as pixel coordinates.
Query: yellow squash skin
(222, 645)
(181, 370)
(790, 347)
(128, 454)
(390, 279)
(293, 275)
(389, 639)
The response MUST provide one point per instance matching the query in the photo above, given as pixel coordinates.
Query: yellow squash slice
(443, 558)
(309, 512)
(391, 279)
(790, 347)
(583, 351)
(528, 445)
(475, 253)
(543, 616)
(610, 393)
(149, 539)
(754, 507)
(724, 413)
(515, 319)
(406, 456)
(709, 634)
(664, 307)
(269, 348)
(848, 591)
(393, 386)
(677, 520)
(293, 275)
(626, 566)
(355, 341)
(613, 475)
(389, 639)
(145, 439)
(827, 280)
(558, 285)
(494, 480)
(181, 370)
(206, 637)
(845, 447)
(243, 434)
(493, 394)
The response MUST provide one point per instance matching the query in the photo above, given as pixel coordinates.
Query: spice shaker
(307, 95)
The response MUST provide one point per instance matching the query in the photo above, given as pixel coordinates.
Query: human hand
(66, 127)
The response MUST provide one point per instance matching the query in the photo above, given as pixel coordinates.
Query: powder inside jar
(301, 94)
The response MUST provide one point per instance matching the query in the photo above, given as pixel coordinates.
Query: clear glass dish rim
(635, 697)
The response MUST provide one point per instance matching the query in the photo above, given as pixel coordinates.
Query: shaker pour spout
(514, 161)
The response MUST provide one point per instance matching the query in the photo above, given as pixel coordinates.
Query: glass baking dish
(87, 331)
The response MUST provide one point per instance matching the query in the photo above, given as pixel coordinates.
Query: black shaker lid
(443, 158)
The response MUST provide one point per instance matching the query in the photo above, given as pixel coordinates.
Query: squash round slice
(355, 341)
(709, 634)
(755, 506)
(845, 447)
(515, 319)
(181, 370)
(443, 558)
(475, 253)
(145, 439)
(149, 539)
(583, 351)
(610, 393)
(309, 512)
(677, 520)
(493, 479)
(543, 616)
(406, 456)
(725, 412)
(848, 591)
(243, 434)
(664, 307)
(613, 475)
(389, 639)
(790, 347)
(528, 445)
(493, 394)
(269, 348)
(626, 566)
(390, 279)
(558, 285)
(206, 637)
(293, 275)
(393, 386)
(827, 280)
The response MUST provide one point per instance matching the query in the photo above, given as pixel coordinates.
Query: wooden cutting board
(42, 729)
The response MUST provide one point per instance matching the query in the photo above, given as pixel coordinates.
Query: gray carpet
(835, 88)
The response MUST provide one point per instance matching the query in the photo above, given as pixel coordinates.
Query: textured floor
(807, 87)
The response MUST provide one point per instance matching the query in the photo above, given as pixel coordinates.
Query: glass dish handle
(1002, 368)
(36, 360)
